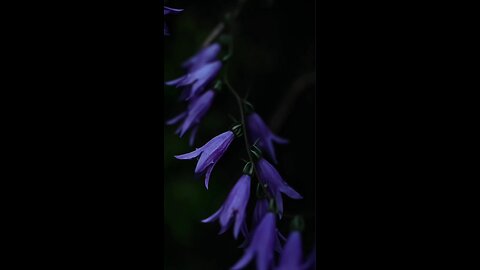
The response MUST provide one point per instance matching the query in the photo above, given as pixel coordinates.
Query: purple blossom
(209, 154)
(261, 246)
(259, 130)
(261, 208)
(196, 110)
(194, 82)
(166, 11)
(275, 183)
(234, 207)
(291, 257)
(204, 56)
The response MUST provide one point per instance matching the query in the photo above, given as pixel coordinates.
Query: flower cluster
(201, 70)
(263, 238)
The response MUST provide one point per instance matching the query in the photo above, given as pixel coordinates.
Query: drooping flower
(166, 11)
(234, 207)
(195, 82)
(291, 257)
(261, 245)
(261, 208)
(275, 184)
(209, 154)
(204, 56)
(196, 110)
(258, 130)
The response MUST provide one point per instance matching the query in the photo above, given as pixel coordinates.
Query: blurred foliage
(274, 45)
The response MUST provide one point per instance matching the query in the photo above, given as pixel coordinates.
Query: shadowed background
(274, 60)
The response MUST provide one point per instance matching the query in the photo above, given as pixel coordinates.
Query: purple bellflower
(261, 208)
(194, 82)
(209, 154)
(234, 207)
(203, 57)
(291, 257)
(166, 11)
(258, 130)
(275, 183)
(197, 108)
(261, 245)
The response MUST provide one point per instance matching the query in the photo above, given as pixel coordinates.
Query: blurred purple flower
(209, 154)
(203, 57)
(275, 183)
(196, 110)
(166, 11)
(291, 257)
(195, 81)
(259, 130)
(234, 207)
(261, 246)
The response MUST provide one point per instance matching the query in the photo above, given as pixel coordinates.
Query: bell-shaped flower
(292, 256)
(204, 56)
(195, 82)
(196, 110)
(166, 11)
(261, 246)
(259, 131)
(210, 154)
(261, 208)
(234, 207)
(275, 184)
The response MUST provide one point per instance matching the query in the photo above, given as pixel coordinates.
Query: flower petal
(175, 81)
(207, 175)
(214, 216)
(190, 155)
(264, 258)
(168, 10)
(224, 227)
(192, 136)
(246, 258)
(176, 119)
(239, 221)
(290, 192)
(291, 257)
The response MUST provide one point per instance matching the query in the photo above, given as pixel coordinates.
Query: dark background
(86, 136)
(274, 61)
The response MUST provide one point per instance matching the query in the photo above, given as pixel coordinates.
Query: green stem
(242, 121)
